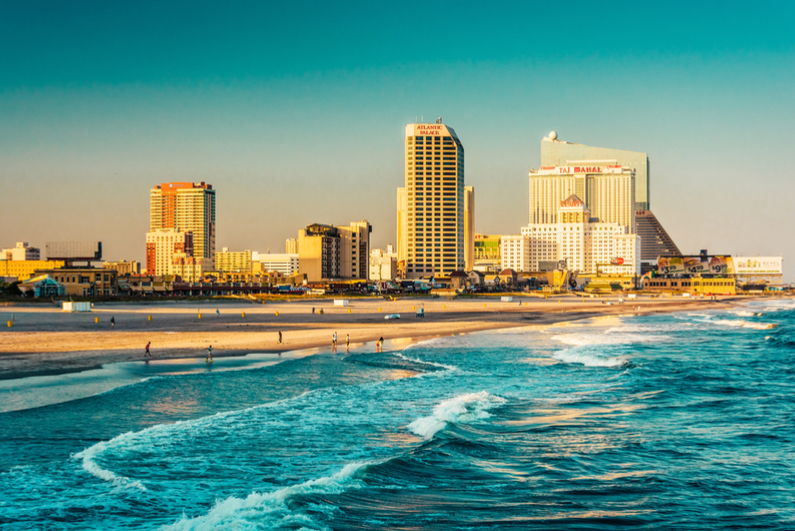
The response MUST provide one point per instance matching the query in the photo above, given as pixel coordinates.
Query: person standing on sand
(209, 358)
(147, 353)
(112, 323)
(379, 345)
(280, 337)
(218, 312)
(334, 342)
(347, 342)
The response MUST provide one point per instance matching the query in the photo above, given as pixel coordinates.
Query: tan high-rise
(186, 207)
(431, 220)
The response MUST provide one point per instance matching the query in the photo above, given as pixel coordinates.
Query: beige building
(189, 268)
(431, 220)
(22, 251)
(161, 247)
(515, 252)
(334, 252)
(124, 267)
(85, 282)
(186, 207)
(283, 263)
(383, 264)
(606, 188)
(469, 228)
(588, 246)
(291, 246)
(228, 261)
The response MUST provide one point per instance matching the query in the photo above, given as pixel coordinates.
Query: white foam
(746, 324)
(91, 466)
(588, 359)
(460, 409)
(743, 313)
(607, 338)
(270, 510)
(433, 364)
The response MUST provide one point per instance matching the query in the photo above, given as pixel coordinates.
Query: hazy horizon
(298, 117)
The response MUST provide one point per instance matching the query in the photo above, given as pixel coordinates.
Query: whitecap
(431, 363)
(91, 466)
(460, 409)
(270, 510)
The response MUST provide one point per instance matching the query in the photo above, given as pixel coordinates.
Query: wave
(607, 338)
(587, 359)
(271, 510)
(431, 363)
(91, 466)
(461, 409)
(746, 324)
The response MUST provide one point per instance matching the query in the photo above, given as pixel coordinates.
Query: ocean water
(680, 421)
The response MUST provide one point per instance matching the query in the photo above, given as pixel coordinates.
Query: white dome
(553, 135)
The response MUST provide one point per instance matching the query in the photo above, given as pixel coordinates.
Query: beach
(45, 340)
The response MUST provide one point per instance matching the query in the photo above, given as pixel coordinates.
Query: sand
(45, 340)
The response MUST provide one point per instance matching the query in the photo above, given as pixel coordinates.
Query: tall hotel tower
(432, 224)
(186, 207)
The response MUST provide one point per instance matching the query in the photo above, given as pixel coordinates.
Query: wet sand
(45, 340)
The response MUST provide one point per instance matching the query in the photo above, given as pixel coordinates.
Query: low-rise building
(22, 251)
(124, 267)
(694, 285)
(25, 269)
(515, 252)
(283, 263)
(230, 261)
(329, 252)
(488, 254)
(383, 264)
(43, 286)
(85, 282)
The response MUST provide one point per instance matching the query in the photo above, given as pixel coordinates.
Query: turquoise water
(682, 421)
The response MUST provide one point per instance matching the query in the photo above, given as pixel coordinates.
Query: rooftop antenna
(422, 119)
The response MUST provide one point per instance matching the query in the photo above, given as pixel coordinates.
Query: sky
(295, 112)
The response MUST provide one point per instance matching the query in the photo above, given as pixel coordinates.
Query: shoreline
(39, 350)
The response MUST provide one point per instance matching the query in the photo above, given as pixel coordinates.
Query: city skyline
(309, 136)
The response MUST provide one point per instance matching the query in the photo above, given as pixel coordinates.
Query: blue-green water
(681, 421)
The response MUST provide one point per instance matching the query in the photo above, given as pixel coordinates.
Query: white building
(588, 246)
(383, 264)
(22, 251)
(515, 252)
(170, 252)
(284, 263)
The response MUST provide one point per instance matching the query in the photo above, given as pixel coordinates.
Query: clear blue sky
(295, 111)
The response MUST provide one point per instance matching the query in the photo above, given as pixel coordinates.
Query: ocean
(673, 421)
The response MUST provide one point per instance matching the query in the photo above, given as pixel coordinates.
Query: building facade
(469, 228)
(161, 247)
(383, 264)
(555, 152)
(515, 252)
(124, 267)
(22, 251)
(186, 207)
(334, 252)
(431, 203)
(587, 246)
(23, 270)
(291, 246)
(608, 190)
(227, 261)
(285, 264)
(488, 255)
(85, 281)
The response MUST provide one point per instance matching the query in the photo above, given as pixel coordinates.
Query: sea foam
(270, 510)
(460, 409)
(588, 359)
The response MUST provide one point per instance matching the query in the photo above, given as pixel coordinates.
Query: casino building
(435, 220)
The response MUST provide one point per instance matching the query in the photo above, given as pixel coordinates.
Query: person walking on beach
(218, 312)
(147, 353)
(313, 309)
(280, 337)
(379, 345)
(347, 342)
(209, 358)
(334, 342)
(112, 323)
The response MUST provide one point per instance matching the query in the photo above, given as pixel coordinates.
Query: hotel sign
(429, 129)
(574, 170)
(758, 265)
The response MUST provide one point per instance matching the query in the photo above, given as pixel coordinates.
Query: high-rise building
(22, 251)
(587, 245)
(161, 247)
(329, 252)
(186, 207)
(433, 210)
(515, 251)
(291, 246)
(607, 189)
(469, 228)
(656, 241)
(555, 152)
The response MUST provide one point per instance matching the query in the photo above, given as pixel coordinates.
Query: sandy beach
(46, 340)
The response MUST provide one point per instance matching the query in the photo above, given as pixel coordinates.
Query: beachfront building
(22, 270)
(585, 244)
(124, 267)
(607, 189)
(228, 261)
(43, 286)
(284, 263)
(383, 264)
(488, 255)
(291, 246)
(186, 207)
(22, 251)
(162, 245)
(84, 281)
(328, 252)
(431, 204)
(515, 252)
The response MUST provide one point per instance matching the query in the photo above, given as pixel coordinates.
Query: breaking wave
(588, 359)
(461, 409)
